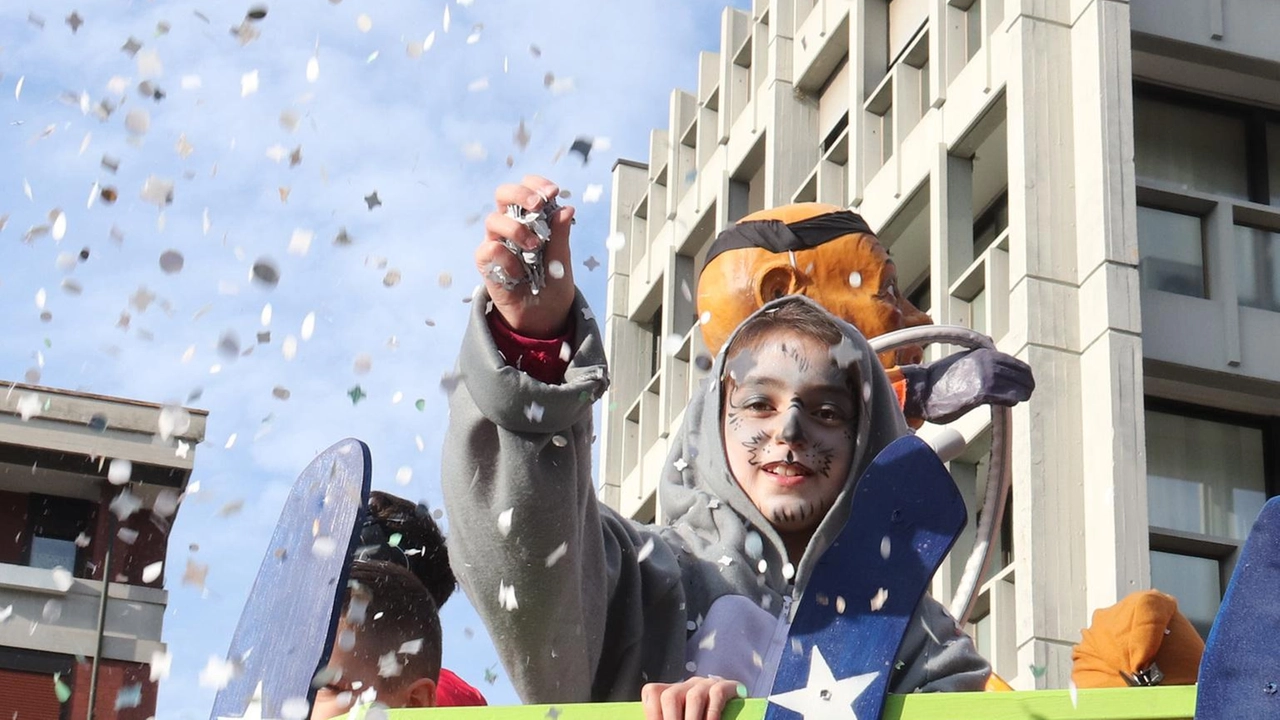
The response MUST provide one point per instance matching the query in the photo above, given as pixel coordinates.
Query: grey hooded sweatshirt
(584, 605)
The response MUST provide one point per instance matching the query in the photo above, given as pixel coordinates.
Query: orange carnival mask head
(810, 249)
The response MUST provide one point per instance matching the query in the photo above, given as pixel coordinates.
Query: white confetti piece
(190, 82)
(313, 69)
(417, 440)
(885, 547)
(364, 23)
(119, 471)
(17, 90)
(708, 642)
(231, 442)
(300, 242)
(58, 229)
(592, 193)
(475, 151)
(504, 521)
(289, 348)
(62, 579)
(1074, 693)
(555, 269)
(249, 83)
(645, 551)
(879, 599)
(137, 122)
(158, 191)
(151, 572)
(372, 56)
(149, 65)
(788, 571)
(404, 475)
(26, 189)
(615, 242)
(29, 406)
(84, 144)
(430, 40)
(446, 18)
(561, 550)
(295, 708)
(188, 354)
(204, 221)
(855, 279)
(265, 316)
(474, 37)
(507, 597)
(161, 662)
(323, 546)
(308, 326)
(125, 504)
(478, 84)
(534, 412)
(217, 673)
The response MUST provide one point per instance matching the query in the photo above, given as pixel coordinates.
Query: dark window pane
(1188, 147)
(1194, 581)
(1258, 267)
(1171, 247)
(49, 553)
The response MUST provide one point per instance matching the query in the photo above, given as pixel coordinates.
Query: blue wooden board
(907, 496)
(1240, 670)
(287, 626)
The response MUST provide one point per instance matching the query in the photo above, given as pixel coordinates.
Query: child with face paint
(585, 605)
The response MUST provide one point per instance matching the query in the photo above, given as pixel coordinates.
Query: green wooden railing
(1150, 703)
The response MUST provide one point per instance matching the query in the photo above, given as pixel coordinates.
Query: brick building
(66, 500)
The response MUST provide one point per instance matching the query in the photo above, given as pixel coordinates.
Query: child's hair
(794, 316)
(420, 547)
(394, 609)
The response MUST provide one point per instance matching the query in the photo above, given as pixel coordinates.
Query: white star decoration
(824, 696)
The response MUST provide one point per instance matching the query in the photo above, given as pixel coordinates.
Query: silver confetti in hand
(539, 223)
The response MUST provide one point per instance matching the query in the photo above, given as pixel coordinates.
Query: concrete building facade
(66, 521)
(1093, 183)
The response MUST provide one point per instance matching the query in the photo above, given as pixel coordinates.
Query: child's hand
(543, 315)
(693, 699)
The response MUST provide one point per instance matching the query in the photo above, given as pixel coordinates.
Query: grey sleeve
(936, 656)
(555, 575)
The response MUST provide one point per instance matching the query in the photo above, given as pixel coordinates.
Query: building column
(1114, 449)
(1048, 502)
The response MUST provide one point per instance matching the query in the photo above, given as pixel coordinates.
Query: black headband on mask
(777, 236)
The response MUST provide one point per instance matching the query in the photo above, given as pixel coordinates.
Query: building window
(1191, 147)
(1258, 268)
(655, 342)
(1207, 479)
(1171, 251)
(990, 223)
(906, 18)
(53, 526)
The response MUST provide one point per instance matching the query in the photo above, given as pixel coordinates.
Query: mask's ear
(780, 281)
(421, 694)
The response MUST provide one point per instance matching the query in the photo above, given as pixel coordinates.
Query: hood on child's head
(879, 422)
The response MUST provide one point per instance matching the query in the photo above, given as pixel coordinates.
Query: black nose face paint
(792, 431)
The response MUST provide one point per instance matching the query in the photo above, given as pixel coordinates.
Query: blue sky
(430, 134)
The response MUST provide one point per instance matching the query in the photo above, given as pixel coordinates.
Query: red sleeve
(453, 691)
(541, 359)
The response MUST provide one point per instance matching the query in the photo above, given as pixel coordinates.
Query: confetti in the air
(879, 599)
(615, 242)
(404, 475)
(561, 550)
(249, 83)
(62, 579)
(171, 262)
(217, 673)
(645, 551)
(300, 242)
(885, 547)
(313, 69)
(161, 662)
(504, 521)
(119, 471)
(507, 597)
(151, 572)
(855, 279)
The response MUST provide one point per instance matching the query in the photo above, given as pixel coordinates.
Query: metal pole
(102, 612)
